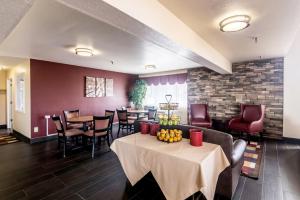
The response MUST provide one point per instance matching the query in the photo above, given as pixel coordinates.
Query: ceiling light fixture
(84, 52)
(235, 23)
(150, 67)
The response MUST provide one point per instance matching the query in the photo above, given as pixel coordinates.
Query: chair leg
(248, 138)
(65, 144)
(93, 149)
(119, 131)
(107, 139)
(58, 142)
(261, 136)
(111, 133)
(127, 129)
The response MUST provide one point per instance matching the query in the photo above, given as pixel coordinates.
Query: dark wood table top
(81, 119)
(137, 111)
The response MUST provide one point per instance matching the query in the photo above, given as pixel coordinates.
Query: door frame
(9, 105)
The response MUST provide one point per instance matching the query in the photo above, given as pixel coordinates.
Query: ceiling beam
(150, 21)
(11, 13)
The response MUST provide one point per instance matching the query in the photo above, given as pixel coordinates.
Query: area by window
(156, 94)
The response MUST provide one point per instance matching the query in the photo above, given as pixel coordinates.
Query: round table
(137, 112)
(82, 119)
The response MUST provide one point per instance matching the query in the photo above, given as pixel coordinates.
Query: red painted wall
(56, 87)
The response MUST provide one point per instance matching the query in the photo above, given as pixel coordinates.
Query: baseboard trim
(43, 139)
(21, 137)
(292, 140)
(3, 126)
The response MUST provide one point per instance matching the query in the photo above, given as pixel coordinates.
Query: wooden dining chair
(62, 134)
(100, 129)
(68, 114)
(110, 113)
(124, 122)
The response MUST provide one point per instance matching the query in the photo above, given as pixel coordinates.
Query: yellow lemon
(171, 140)
(160, 138)
(175, 139)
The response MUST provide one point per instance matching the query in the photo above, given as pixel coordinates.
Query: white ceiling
(9, 62)
(50, 31)
(274, 22)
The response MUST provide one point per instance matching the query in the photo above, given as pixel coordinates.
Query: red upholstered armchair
(199, 116)
(249, 121)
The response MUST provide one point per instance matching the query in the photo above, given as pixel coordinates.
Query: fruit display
(170, 136)
(174, 120)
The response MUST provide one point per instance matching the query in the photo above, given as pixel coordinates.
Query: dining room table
(82, 119)
(137, 113)
(180, 169)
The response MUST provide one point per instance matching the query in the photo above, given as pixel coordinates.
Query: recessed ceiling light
(84, 52)
(150, 67)
(235, 23)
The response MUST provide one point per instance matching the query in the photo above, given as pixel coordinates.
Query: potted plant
(138, 93)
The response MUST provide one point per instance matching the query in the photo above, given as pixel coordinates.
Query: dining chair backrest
(68, 114)
(122, 115)
(152, 114)
(101, 123)
(110, 113)
(58, 124)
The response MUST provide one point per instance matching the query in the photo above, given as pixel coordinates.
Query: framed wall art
(90, 85)
(109, 87)
(100, 87)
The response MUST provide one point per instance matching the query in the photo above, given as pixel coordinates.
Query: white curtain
(156, 94)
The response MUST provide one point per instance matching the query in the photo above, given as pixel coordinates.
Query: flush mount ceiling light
(150, 67)
(235, 23)
(84, 52)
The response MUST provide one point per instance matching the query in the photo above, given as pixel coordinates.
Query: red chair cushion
(201, 123)
(251, 113)
(240, 126)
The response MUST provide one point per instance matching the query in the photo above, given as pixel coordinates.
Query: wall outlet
(36, 129)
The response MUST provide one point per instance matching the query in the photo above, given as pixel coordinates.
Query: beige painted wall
(2, 97)
(291, 121)
(22, 121)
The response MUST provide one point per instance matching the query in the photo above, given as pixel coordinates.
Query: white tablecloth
(179, 168)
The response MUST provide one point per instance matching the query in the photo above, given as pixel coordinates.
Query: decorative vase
(196, 137)
(145, 127)
(154, 128)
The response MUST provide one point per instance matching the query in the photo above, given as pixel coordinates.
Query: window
(156, 94)
(20, 93)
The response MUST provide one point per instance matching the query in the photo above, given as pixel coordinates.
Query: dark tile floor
(39, 172)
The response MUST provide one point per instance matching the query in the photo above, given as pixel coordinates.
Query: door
(9, 104)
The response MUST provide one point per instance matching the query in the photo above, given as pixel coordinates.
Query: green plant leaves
(138, 93)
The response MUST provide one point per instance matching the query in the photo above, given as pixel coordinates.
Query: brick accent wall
(254, 82)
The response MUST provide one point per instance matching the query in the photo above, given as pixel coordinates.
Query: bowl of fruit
(169, 136)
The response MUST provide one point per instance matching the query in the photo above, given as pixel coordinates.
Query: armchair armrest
(257, 126)
(239, 147)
